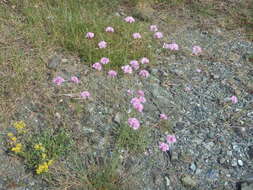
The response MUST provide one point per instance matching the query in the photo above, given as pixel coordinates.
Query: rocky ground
(214, 149)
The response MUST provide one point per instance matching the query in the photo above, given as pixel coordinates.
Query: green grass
(65, 23)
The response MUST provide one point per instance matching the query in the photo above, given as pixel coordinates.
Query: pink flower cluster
(112, 73)
(137, 102)
(129, 19)
(85, 95)
(144, 73)
(58, 80)
(172, 46)
(90, 35)
(109, 29)
(171, 139)
(234, 99)
(134, 123)
(163, 116)
(196, 50)
(136, 35)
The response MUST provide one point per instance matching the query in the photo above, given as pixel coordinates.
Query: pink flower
(130, 92)
(196, 50)
(158, 35)
(140, 93)
(172, 46)
(187, 89)
(74, 79)
(112, 73)
(153, 28)
(136, 35)
(129, 19)
(138, 106)
(104, 60)
(171, 139)
(135, 100)
(234, 99)
(127, 69)
(58, 80)
(144, 73)
(97, 66)
(144, 60)
(134, 123)
(163, 116)
(85, 94)
(90, 35)
(102, 44)
(198, 70)
(142, 99)
(109, 29)
(164, 147)
(134, 64)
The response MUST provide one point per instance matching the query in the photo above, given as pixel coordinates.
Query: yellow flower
(17, 148)
(10, 134)
(43, 167)
(39, 147)
(14, 139)
(20, 125)
(44, 156)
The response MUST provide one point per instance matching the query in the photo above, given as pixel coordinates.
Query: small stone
(64, 60)
(188, 181)
(174, 156)
(167, 181)
(222, 160)
(240, 162)
(234, 163)
(193, 167)
(229, 153)
(117, 118)
(54, 62)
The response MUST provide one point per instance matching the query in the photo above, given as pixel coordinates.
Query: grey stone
(54, 62)
(188, 181)
(167, 181)
(234, 162)
(117, 118)
(193, 167)
(240, 162)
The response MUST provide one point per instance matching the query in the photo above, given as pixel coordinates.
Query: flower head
(20, 126)
(109, 29)
(153, 28)
(136, 35)
(97, 66)
(134, 64)
(164, 147)
(102, 44)
(196, 50)
(158, 35)
(74, 79)
(171, 139)
(85, 95)
(112, 73)
(134, 123)
(138, 106)
(172, 46)
(142, 99)
(58, 80)
(144, 73)
(140, 93)
(129, 19)
(234, 99)
(104, 60)
(90, 35)
(163, 116)
(144, 60)
(198, 70)
(17, 148)
(127, 69)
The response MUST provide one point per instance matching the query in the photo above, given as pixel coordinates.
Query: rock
(54, 62)
(240, 162)
(167, 181)
(250, 152)
(193, 167)
(246, 186)
(117, 118)
(222, 160)
(188, 181)
(234, 162)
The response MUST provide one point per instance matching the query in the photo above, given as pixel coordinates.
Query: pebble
(167, 181)
(240, 162)
(193, 167)
(234, 162)
(188, 181)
